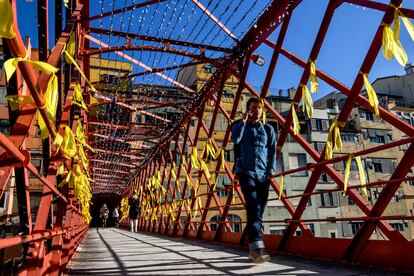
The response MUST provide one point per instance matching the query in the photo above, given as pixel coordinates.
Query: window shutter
(325, 125)
(313, 124)
(365, 134)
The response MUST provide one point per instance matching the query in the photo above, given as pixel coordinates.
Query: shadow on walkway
(115, 251)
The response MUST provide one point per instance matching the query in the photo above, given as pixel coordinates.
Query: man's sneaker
(259, 256)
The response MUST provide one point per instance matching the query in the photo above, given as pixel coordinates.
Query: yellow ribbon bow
(6, 20)
(334, 140)
(391, 43)
(313, 78)
(10, 66)
(372, 96)
(51, 102)
(295, 120)
(307, 103)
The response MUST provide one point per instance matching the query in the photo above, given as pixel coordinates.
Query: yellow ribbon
(347, 170)
(80, 136)
(69, 145)
(16, 102)
(67, 55)
(6, 20)
(361, 174)
(78, 98)
(372, 96)
(10, 66)
(307, 103)
(51, 102)
(281, 183)
(220, 153)
(391, 43)
(204, 168)
(60, 169)
(313, 78)
(295, 120)
(264, 111)
(334, 140)
(194, 158)
(70, 47)
(174, 175)
(124, 209)
(209, 148)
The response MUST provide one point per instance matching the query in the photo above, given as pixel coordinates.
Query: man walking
(255, 151)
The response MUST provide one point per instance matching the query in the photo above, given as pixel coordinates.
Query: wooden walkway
(119, 252)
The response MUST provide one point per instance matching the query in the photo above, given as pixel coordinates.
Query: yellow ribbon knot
(391, 43)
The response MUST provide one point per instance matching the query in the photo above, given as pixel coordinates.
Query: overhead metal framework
(145, 121)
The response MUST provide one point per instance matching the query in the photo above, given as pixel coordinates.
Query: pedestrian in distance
(134, 211)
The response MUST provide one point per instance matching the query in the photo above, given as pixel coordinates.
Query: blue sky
(341, 56)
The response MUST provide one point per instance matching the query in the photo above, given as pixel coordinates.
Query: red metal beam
(379, 6)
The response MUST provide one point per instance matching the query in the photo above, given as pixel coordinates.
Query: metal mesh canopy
(160, 38)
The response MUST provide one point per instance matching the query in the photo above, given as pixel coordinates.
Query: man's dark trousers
(255, 192)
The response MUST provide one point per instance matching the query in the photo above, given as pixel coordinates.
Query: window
(37, 161)
(325, 177)
(298, 160)
(229, 155)
(222, 181)
(330, 103)
(234, 220)
(228, 94)
(377, 167)
(397, 226)
(349, 137)
(319, 124)
(110, 79)
(3, 201)
(329, 199)
(355, 227)
(208, 68)
(280, 164)
(5, 127)
(369, 116)
(319, 146)
(312, 228)
(377, 139)
(396, 197)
